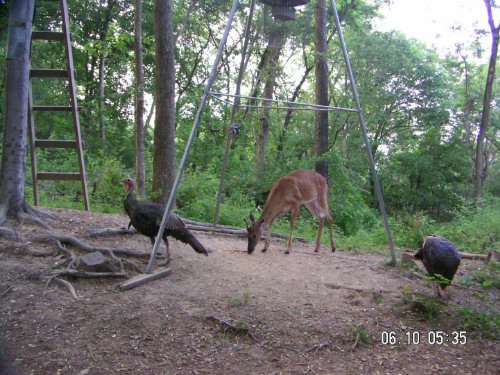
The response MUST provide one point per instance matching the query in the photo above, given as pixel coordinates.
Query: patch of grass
(489, 275)
(426, 308)
(240, 302)
(360, 336)
(484, 323)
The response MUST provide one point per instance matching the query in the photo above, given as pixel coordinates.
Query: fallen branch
(322, 346)
(65, 283)
(9, 289)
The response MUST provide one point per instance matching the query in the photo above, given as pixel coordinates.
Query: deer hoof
(287, 252)
(264, 250)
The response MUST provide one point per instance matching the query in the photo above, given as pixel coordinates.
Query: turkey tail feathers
(196, 245)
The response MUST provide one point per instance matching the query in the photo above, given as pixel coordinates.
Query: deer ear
(252, 218)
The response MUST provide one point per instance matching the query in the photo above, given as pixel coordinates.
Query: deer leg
(295, 212)
(330, 223)
(318, 240)
(269, 230)
(315, 209)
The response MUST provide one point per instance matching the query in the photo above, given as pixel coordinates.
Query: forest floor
(233, 313)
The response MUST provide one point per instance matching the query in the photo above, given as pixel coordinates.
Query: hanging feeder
(285, 3)
(284, 9)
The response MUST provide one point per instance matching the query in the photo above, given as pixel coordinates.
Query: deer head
(254, 232)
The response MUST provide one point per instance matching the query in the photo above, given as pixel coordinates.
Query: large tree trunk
(17, 87)
(321, 141)
(164, 134)
(483, 127)
(273, 52)
(140, 130)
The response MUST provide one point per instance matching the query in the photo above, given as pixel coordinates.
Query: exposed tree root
(87, 274)
(9, 233)
(68, 240)
(32, 219)
(96, 263)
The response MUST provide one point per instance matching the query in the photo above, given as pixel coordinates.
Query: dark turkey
(440, 257)
(146, 217)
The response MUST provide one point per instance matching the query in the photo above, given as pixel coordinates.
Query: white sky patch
(431, 21)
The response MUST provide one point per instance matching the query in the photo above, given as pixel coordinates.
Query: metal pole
(236, 102)
(365, 134)
(197, 120)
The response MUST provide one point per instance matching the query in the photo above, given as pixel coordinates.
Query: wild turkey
(146, 217)
(440, 257)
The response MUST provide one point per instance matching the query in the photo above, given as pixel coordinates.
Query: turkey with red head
(146, 217)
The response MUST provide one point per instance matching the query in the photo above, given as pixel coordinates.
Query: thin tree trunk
(100, 116)
(164, 134)
(483, 127)
(276, 40)
(16, 122)
(140, 130)
(321, 139)
(102, 67)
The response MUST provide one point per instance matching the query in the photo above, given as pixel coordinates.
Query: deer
(288, 194)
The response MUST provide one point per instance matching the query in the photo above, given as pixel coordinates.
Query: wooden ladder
(69, 74)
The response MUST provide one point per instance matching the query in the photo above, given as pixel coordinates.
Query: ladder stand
(69, 74)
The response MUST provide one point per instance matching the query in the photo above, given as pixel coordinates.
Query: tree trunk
(483, 126)
(164, 133)
(140, 130)
(273, 52)
(321, 141)
(100, 116)
(16, 122)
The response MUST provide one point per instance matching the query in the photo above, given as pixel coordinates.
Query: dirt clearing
(230, 312)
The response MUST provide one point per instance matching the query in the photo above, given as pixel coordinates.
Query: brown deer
(288, 194)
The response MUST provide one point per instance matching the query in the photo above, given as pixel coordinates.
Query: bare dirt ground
(228, 313)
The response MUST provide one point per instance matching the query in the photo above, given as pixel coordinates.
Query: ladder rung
(52, 73)
(53, 108)
(58, 176)
(52, 143)
(47, 35)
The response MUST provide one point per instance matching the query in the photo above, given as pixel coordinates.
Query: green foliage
(484, 323)
(360, 336)
(489, 275)
(476, 229)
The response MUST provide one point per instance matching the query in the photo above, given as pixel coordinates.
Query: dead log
(473, 256)
(192, 225)
(111, 232)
